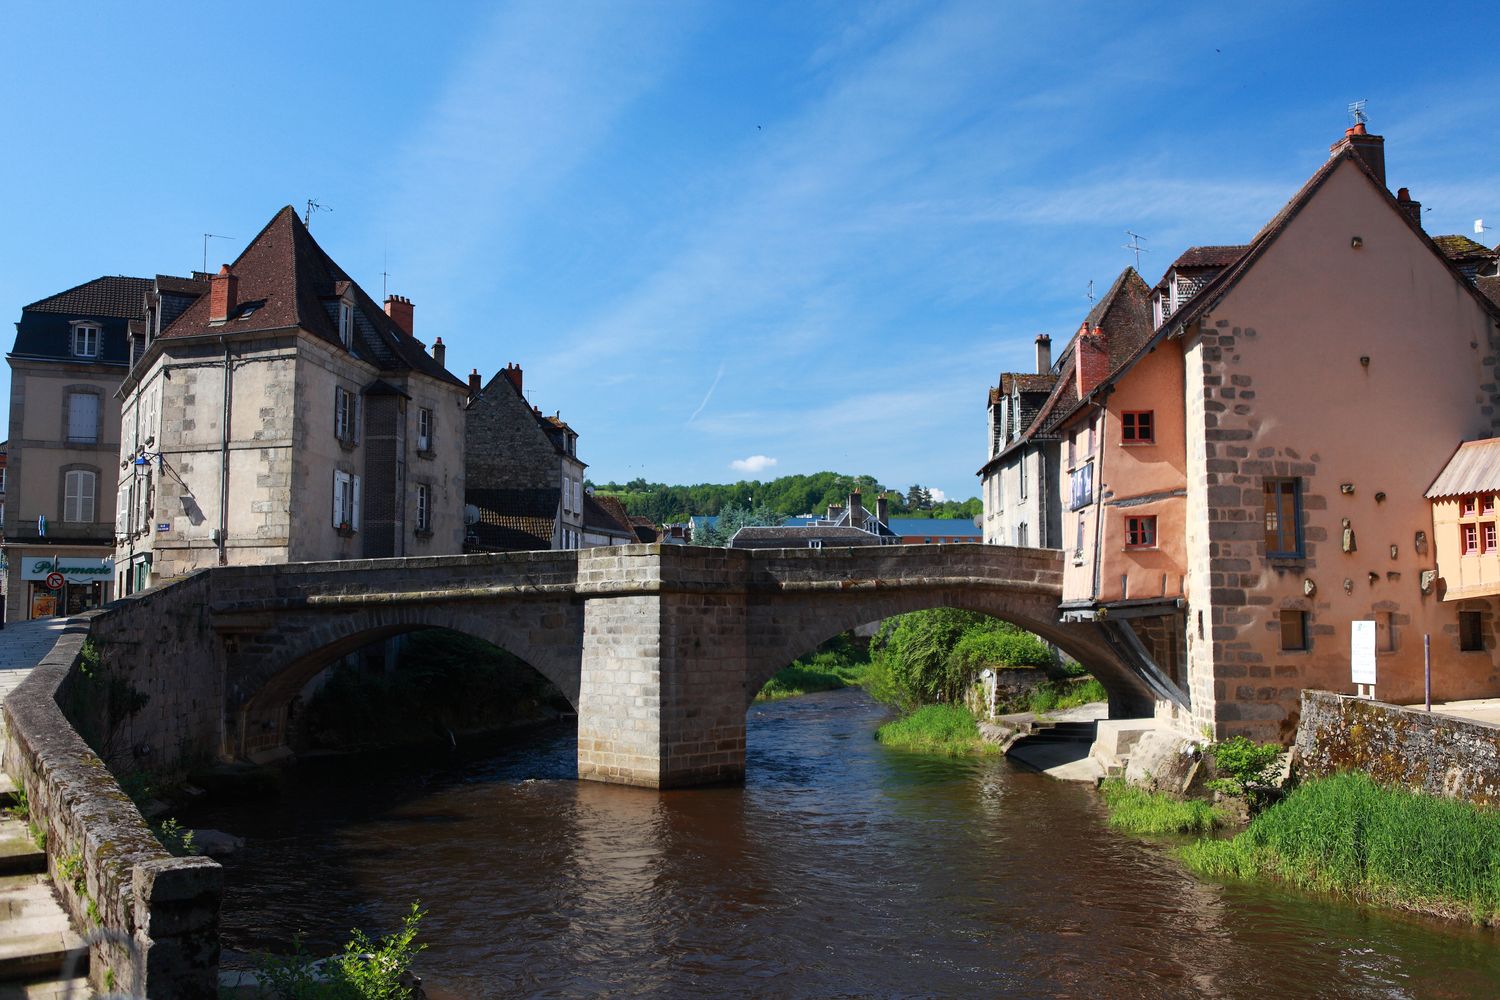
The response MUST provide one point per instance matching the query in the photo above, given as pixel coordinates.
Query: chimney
(223, 291)
(1411, 209)
(1371, 149)
(835, 511)
(1043, 354)
(512, 373)
(439, 352)
(856, 509)
(1090, 359)
(400, 309)
(475, 383)
(881, 508)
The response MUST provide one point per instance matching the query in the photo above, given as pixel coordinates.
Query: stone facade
(1403, 747)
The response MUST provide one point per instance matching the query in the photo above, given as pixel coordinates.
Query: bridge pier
(661, 702)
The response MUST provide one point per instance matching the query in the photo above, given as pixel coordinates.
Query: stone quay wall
(1403, 747)
(159, 914)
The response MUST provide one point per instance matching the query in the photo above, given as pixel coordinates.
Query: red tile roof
(289, 278)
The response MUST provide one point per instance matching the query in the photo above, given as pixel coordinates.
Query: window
(1078, 548)
(83, 418)
(1470, 631)
(1385, 632)
(1021, 533)
(1487, 505)
(424, 507)
(1468, 506)
(1081, 492)
(1293, 630)
(346, 501)
(1137, 427)
(78, 497)
(424, 430)
(1140, 532)
(346, 322)
(1283, 518)
(345, 415)
(1476, 536)
(85, 341)
(578, 494)
(1021, 469)
(1470, 539)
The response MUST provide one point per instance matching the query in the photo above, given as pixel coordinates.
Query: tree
(732, 518)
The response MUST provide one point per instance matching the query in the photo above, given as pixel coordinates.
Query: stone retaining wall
(1405, 747)
(167, 907)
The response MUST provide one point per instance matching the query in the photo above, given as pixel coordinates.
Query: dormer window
(346, 322)
(85, 340)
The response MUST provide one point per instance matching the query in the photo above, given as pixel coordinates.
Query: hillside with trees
(786, 496)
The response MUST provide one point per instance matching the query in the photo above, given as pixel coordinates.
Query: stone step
(48, 989)
(35, 956)
(19, 854)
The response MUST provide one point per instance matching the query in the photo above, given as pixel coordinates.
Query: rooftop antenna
(385, 275)
(206, 238)
(1357, 114)
(1480, 227)
(313, 206)
(1135, 245)
(1091, 289)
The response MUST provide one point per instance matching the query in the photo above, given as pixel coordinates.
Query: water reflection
(840, 869)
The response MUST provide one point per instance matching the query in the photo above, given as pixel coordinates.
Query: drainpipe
(1041, 495)
(224, 458)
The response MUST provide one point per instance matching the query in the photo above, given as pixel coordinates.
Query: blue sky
(725, 240)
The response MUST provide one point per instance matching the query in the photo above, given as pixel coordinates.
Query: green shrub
(932, 656)
(836, 664)
(1243, 762)
(365, 970)
(1136, 810)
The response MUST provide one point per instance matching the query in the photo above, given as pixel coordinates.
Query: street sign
(55, 581)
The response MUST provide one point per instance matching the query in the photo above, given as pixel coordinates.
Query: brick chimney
(223, 295)
(1043, 354)
(400, 310)
(1411, 209)
(512, 374)
(439, 352)
(856, 509)
(881, 509)
(1090, 359)
(835, 511)
(1371, 149)
(475, 383)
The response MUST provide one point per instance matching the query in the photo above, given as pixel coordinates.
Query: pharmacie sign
(73, 570)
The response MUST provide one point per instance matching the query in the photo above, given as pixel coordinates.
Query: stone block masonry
(1403, 747)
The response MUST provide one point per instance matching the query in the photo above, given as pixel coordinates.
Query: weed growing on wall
(366, 969)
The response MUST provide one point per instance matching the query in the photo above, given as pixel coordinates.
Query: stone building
(277, 414)
(70, 353)
(1262, 460)
(521, 471)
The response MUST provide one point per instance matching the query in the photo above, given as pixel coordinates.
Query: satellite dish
(471, 514)
(1479, 226)
(979, 521)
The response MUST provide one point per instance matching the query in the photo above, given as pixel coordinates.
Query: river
(840, 869)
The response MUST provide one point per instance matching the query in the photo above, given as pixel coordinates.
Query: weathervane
(1135, 245)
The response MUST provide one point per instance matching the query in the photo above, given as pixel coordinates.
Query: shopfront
(65, 585)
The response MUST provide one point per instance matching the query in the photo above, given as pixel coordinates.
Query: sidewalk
(22, 646)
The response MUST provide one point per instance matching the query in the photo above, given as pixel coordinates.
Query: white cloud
(938, 496)
(753, 464)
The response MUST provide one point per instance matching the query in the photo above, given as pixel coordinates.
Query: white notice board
(1362, 652)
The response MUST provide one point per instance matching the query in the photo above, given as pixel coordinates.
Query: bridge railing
(111, 872)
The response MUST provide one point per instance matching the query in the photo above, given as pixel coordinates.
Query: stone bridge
(659, 648)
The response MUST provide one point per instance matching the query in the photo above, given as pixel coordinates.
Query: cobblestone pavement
(22, 646)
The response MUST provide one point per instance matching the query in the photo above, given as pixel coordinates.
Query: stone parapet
(159, 914)
(1405, 747)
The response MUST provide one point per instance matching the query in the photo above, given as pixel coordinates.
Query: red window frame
(1469, 539)
(1138, 427)
(1487, 505)
(1468, 507)
(1140, 532)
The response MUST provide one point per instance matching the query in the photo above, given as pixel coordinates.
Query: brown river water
(840, 869)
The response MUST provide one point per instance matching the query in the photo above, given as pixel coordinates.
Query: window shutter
(83, 416)
(338, 409)
(359, 409)
(354, 517)
(338, 498)
(122, 505)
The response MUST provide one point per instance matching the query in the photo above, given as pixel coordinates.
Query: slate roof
(117, 296)
(1474, 468)
(926, 526)
(293, 283)
(513, 520)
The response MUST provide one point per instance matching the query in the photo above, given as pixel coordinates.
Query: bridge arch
(261, 687)
(787, 634)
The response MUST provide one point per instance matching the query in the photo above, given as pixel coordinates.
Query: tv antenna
(206, 238)
(1357, 114)
(1091, 289)
(1480, 227)
(1135, 245)
(313, 206)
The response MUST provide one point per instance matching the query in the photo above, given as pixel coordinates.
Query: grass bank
(838, 663)
(1054, 696)
(1349, 836)
(948, 729)
(1136, 810)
